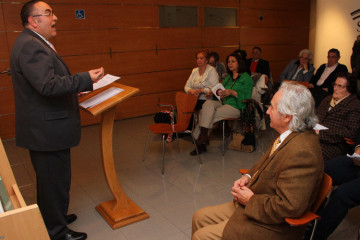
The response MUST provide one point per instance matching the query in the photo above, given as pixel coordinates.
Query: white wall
(335, 28)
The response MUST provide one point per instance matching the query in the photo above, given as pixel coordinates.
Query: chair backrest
(324, 190)
(185, 104)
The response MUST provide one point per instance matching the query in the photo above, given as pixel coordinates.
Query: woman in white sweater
(202, 79)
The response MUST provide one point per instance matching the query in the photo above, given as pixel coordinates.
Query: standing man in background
(47, 114)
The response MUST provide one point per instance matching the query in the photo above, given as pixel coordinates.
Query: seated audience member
(219, 66)
(299, 69)
(202, 79)
(340, 113)
(321, 83)
(257, 65)
(345, 173)
(238, 87)
(355, 56)
(283, 183)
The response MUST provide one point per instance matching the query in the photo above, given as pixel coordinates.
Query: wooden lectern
(23, 222)
(121, 210)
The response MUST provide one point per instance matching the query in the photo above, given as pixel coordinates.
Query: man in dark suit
(47, 113)
(256, 64)
(340, 113)
(345, 173)
(321, 83)
(283, 183)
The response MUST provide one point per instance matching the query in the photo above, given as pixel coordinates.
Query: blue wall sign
(80, 14)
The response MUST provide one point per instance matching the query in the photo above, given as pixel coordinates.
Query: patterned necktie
(275, 145)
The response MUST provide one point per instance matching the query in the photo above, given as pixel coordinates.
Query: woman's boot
(201, 142)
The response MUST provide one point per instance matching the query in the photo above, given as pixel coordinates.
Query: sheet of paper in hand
(218, 87)
(354, 156)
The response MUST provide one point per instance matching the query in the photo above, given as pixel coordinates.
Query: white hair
(306, 51)
(296, 100)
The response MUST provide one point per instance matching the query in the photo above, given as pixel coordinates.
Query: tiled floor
(170, 200)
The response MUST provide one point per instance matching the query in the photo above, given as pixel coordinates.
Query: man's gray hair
(306, 51)
(296, 100)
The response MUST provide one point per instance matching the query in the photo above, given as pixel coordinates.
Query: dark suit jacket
(285, 185)
(262, 67)
(46, 103)
(343, 121)
(330, 79)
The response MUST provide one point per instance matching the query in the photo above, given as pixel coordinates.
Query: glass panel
(220, 17)
(178, 16)
(5, 203)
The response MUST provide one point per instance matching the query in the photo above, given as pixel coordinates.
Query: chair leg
(197, 151)
(146, 145)
(163, 156)
(177, 139)
(313, 230)
(223, 140)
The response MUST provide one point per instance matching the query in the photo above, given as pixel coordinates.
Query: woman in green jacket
(238, 87)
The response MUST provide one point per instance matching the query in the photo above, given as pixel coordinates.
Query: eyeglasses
(49, 14)
(338, 85)
(332, 57)
(306, 58)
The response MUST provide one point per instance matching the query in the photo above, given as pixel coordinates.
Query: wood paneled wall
(123, 36)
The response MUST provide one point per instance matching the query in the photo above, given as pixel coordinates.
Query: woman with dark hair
(202, 78)
(238, 87)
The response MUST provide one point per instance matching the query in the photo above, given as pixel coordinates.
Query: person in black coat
(47, 118)
(345, 173)
(256, 64)
(321, 84)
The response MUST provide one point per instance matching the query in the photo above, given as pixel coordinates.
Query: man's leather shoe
(72, 235)
(71, 218)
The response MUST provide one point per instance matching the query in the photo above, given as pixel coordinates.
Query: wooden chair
(325, 188)
(185, 104)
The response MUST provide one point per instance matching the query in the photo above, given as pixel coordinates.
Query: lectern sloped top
(111, 102)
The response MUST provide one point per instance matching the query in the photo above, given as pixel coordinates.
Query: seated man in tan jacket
(283, 183)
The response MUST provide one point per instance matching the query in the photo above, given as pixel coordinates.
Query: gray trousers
(213, 111)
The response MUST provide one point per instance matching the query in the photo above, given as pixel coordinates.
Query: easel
(121, 210)
(24, 222)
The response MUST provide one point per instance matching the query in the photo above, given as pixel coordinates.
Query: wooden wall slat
(143, 105)
(133, 39)
(276, 69)
(84, 63)
(223, 3)
(266, 36)
(277, 4)
(179, 38)
(7, 126)
(157, 82)
(5, 79)
(272, 18)
(82, 42)
(178, 2)
(215, 37)
(112, 16)
(2, 24)
(4, 51)
(281, 52)
(12, 15)
(7, 106)
(11, 37)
